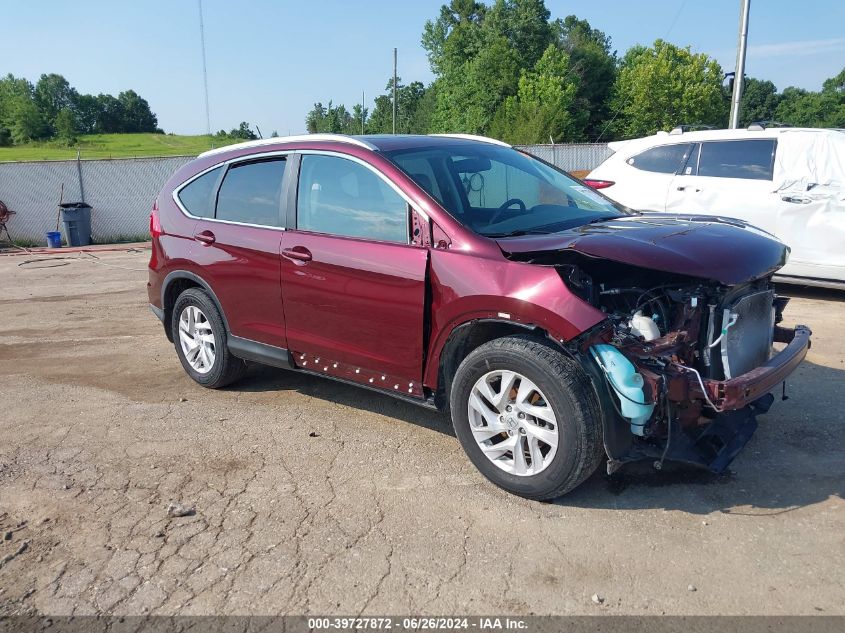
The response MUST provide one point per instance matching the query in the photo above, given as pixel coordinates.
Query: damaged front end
(686, 364)
(684, 361)
(682, 365)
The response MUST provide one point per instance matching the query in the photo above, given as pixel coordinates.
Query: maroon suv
(460, 274)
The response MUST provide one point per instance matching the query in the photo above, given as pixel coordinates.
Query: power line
(668, 31)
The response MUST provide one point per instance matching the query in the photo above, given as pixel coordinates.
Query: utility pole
(739, 76)
(363, 112)
(204, 72)
(394, 91)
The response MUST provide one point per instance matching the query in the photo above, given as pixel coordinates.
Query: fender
(445, 334)
(185, 274)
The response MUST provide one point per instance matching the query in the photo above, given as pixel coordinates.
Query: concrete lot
(312, 497)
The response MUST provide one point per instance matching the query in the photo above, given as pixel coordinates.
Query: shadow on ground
(792, 461)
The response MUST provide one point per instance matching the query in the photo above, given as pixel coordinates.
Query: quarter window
(664, 159)
(751, 160)
(198, 195)
(342, 197)
(251, 193)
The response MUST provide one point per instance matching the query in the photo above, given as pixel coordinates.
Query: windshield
(500, 192)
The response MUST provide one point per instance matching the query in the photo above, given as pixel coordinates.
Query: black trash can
(77, 219)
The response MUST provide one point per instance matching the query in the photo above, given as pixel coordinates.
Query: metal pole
(79, 174)
(204, 72)
(745, 7)
(394, 91)
(363, 112)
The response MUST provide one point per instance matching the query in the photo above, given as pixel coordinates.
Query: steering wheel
(506, 205)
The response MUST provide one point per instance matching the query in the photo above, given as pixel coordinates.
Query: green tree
(663, 86)
(332, 119)
(544, 106)
(468, 96)
(53, 94)
(66, 126)
(594, 64)
(525, 24)
(455, 35)
(811, 109)
(27, 122)
(759, 102)
(243, 132)
(109, 115)
(408, 99)
(360, 114)
(86, 110)
(136, 115)
(835, 84)
(13, 90)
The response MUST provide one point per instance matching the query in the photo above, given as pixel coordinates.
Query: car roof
(373, 142)
(670, 138)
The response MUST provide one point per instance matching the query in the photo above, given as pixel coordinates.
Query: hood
(721, 249)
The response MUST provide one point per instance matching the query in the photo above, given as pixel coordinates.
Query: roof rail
(339, 138)
(757, 126)
(475, 137)
(693, 127)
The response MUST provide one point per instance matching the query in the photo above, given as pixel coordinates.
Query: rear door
(651, 172)
(731, 178)
(354, 284)
(237, 248)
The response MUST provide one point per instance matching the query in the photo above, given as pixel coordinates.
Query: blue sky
(269, 61)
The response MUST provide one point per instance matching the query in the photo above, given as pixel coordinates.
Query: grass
(115, 146)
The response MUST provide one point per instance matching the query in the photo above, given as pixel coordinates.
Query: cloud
(800, 48)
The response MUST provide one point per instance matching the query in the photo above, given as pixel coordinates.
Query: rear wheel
(527, 417)
(200, 340)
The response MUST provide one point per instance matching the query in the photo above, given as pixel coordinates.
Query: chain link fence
(571, 156)
(121, 191)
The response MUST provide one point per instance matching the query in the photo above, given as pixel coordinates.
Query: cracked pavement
(318, 498)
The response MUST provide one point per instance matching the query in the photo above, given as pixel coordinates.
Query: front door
(353, 284)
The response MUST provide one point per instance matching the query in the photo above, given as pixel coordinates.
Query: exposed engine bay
(683, 361)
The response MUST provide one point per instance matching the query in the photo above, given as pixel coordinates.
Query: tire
(561, 385)
(224, 368)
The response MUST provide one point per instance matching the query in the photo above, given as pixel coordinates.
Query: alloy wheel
(197, 339)
(513, 422)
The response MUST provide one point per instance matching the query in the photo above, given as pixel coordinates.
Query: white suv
(787, 181)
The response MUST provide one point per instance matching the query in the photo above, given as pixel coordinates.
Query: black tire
(569, 392)
(226, 367)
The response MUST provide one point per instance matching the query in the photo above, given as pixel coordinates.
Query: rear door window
(664, 159)
(197, 197)
(751, 159)
(251, 193)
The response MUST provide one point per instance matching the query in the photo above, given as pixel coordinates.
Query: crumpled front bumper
(738, 401)
(738, 392)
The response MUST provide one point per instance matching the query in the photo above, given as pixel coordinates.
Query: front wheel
(527, 417)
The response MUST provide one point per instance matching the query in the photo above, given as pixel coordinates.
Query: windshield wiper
(600, 220)
(517, 233)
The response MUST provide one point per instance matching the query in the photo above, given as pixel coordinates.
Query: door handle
(206, 237)
(796, 199)
(684, 188)
(298, 253)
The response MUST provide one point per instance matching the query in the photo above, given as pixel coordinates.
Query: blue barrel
(77, 220)
(54, 239)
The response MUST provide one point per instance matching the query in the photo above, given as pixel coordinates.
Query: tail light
(598, 184)
(155, 223)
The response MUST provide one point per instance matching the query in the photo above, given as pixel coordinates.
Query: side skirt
(281, 357)
(260, 352)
